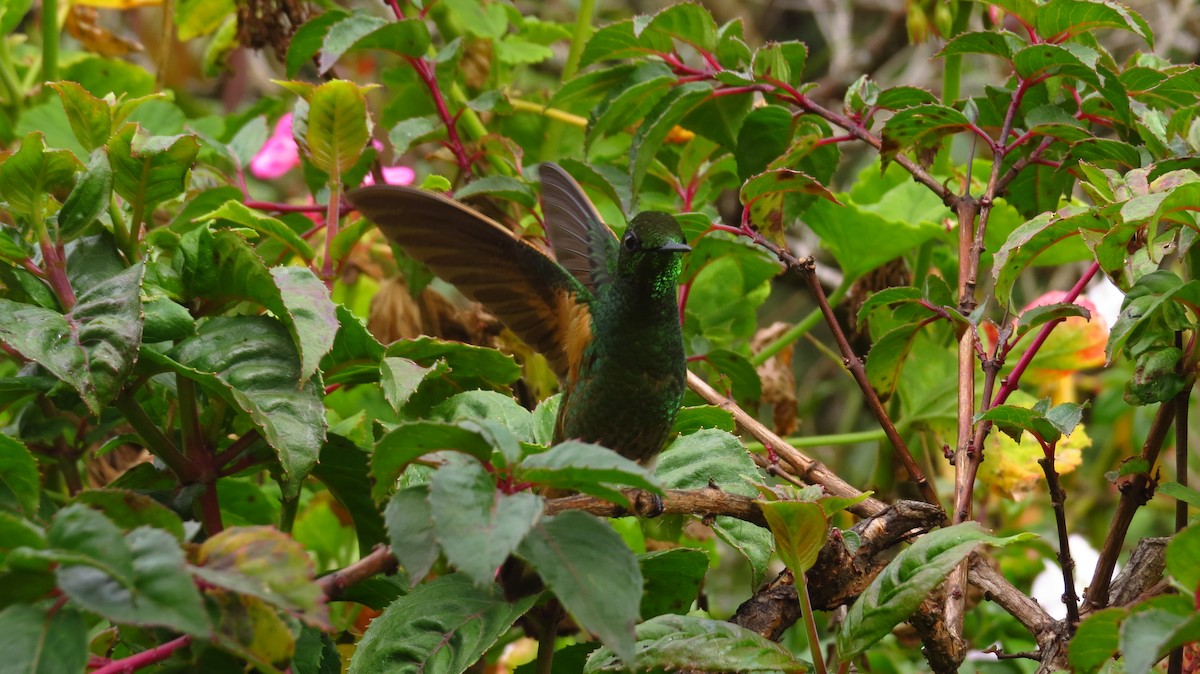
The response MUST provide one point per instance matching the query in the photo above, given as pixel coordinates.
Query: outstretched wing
(582, 243)
(534, 296)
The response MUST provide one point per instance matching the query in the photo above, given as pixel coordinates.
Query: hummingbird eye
(631, 242)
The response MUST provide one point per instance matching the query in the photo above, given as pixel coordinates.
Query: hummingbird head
(649, 247)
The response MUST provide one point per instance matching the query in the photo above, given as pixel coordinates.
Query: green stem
(50, 40)
(545, 652)
(155, 440)
(579, 38)
(120, 228)
(13, 91)
(331, 229)
(287, 513)
(810, 625)
(798, 330)
(832, 440)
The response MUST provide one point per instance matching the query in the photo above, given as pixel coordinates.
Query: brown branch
(379, 561)
(1058, 498)
(708, 501)
(1135, 493)
(1142, 576)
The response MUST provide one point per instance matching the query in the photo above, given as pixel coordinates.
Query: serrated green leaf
(1188, 495)
(489, 405)
(338, 127)
(620, 41)
(148, 170)
(166, 320)
(592, 572)
(88, 199)
(501, 186)
(907, 580)
(691, 461)
(1182, 552)
(409, 520)
(308, 39)
(93, 347)
(477, 525)
(20, 485)
(782, 180)
(138, 578)
(409, 37)
(30, 174)
(587, 468)
(693, 643)
(1002, 44)
(466, 361)
(800, 530)
(887, 356)
(1095, 642)
(266, 563)
(410, 131)
(400, 378)
(647, 86)
(253, 362)
(765, 134)
(310, 315)
(1058, 20)
(668, 112)
(1147, 636)
(355, 356)
(411, 632)
(1031, 239)
(237, 213)
(90, 117)
(781, 61)
(898, 98)
(591, 86)
(130, 510)
(409, 441)
(1047, 60)
(672, 580)
(36, 642)
(686, 22)
(920, 127)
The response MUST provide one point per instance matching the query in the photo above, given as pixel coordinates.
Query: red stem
(145, 658)
(285, 208)
(429, 77)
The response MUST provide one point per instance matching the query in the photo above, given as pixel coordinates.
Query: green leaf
(252, 361)
(138, 578)
(692, 643)
(442, 627)
(1001, 44)
(646, 86)
(20, 484)
(1147, 636)
(591, 86)
(466, 361)
(669, 111)
(1014, 419)
(196, 18)
(38, 643)
(410, 530)
(898, 98)
(685, 22)
(251, 630)
(691, 461)
(800, 530)
(1182, 553)
(166, 320)
(765, 134)
(1033, 238)
(310, 315)
(400, 377)
(592, 572)
(621, 40)
(90, 197)
(1095, 642)
(1188, 495)
(338, 128)
(587, 468)
(130, 510)
(921, 128)
(490, 405)
(148, 170)
(782, 61)
(355, 356)
(410, 131)
(344, 469)
(410, 441)
(672, 580)
(1061, 19)
(782, 180)
(90, 117)
(692, 419)
(906, 581)
(514, 51)
(478, 526)
(238, 214)
(308, 39)
(409, 37)
(1047, 60)
(504, 187)
(266, 563)
(32, 173)
(843, 229)
(92, 348)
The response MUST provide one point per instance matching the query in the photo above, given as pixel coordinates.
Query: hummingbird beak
(673, 247)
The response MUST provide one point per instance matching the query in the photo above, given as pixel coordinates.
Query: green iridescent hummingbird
(603, 312)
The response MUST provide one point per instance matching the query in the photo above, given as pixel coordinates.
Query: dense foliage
(234, 439)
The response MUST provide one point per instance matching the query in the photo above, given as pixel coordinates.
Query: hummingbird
(603, 310)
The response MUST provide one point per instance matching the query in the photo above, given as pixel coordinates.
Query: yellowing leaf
(1011, 468)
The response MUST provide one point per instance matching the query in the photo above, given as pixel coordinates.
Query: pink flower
(393, 175)
(279, 154)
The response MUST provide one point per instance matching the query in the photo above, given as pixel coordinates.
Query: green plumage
(603, 312)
